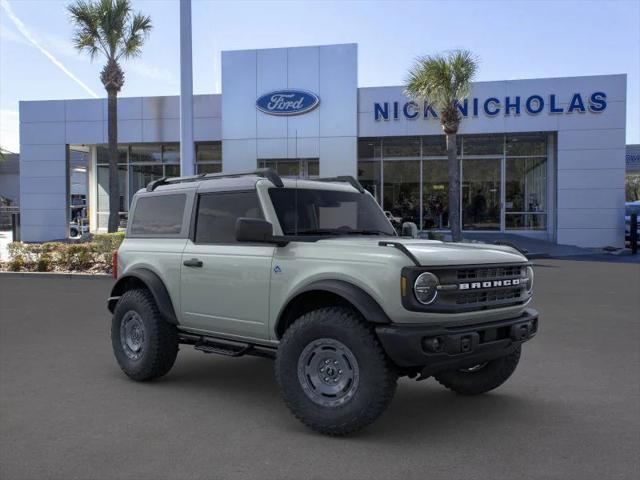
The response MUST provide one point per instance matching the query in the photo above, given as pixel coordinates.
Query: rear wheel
(144, 345)
(332, 372)
(480, 378)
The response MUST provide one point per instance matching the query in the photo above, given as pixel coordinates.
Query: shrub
(44, 263)
(91, 256)
(16, 263)
(107, 242)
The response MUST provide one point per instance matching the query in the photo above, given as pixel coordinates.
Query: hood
(434, 252)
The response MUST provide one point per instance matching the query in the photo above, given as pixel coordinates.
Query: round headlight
(529, 279)
(426, 288)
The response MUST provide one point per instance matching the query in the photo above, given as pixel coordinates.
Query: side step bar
(223, 346)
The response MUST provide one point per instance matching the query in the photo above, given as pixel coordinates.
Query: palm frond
(139, 28)
(442, 79)
(108, 27)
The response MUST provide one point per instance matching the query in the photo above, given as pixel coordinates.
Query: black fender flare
(153, 283)
(356, 296)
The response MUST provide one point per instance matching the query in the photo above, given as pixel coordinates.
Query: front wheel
(332, 372)
(480, 378)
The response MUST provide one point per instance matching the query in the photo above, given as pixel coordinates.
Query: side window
(158, 215)
(218, 212)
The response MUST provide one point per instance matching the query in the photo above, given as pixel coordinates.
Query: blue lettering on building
(510, 105)
(552, 105)
(492, 106)
(534, 108)
(428, 109)
(576, 104)
(411, 110)
(381, 111)
(598, 102)
(464, 107)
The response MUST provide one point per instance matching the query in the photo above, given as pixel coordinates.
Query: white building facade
(543, 157)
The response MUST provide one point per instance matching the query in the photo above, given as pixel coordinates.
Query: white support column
(187, 148)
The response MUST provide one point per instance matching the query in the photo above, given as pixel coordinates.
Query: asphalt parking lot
(571, 410)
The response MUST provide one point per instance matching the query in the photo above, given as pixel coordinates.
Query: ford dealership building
(542, 157)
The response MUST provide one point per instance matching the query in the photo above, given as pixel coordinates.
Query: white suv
(312, 273)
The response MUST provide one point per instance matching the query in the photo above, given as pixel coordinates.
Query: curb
(58, 275)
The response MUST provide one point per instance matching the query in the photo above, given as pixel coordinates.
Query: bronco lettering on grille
(489, 284)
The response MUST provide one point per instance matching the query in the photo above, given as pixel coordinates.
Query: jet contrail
(27, 34)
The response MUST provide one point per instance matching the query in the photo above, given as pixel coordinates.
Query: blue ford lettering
(287, 102)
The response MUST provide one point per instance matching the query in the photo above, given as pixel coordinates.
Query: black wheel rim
(328, 372)
(132, 335)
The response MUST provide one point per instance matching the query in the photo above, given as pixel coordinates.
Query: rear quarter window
(218, 212)
(158, 215)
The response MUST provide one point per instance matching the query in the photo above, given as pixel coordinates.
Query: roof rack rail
(267, 173)
(343, 178)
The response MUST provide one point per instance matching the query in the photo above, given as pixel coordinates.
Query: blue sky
(512, 39)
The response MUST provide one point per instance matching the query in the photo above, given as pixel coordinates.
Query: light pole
(187, 148)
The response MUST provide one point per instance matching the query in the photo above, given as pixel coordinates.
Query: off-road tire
(160, 344)
(490, 376)
(377, 378)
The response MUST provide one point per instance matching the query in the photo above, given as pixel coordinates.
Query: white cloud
(22, 28)
(9, 130)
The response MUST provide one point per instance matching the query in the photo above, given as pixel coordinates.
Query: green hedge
(93, 256)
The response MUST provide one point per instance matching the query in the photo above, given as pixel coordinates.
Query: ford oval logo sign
(287, 102)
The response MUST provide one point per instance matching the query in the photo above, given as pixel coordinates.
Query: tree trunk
(114, 190)
(454, 187)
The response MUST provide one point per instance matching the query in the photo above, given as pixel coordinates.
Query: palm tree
(112, 29)
(444, 81)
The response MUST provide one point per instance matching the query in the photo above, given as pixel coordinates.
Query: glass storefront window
(402, 189)
(481, 194)
(369, 149)
(208, 168)
(401, 147)
(483, 144)
(103, 188)
(303, 167)
(146, 153)
(102, 152)
(527, 144)
(141, 175)
(208, 157)
(435, 146)
(171, 153)
(369, 177)
(526, 193)
(435, 194)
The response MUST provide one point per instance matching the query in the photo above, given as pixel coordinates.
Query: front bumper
(437, 348)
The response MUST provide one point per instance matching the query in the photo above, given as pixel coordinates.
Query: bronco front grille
(471, 288)
(493, 272)
(488, 297)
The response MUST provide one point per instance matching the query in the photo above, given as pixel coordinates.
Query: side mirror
(409, 229)
(254, 230)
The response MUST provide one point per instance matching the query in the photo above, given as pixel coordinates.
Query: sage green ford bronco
(312, 273)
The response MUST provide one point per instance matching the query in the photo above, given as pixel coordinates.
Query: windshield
(328, 212)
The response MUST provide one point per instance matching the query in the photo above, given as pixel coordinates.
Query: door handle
(194, 262)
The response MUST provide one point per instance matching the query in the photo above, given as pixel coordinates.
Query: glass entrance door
(481, 194)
